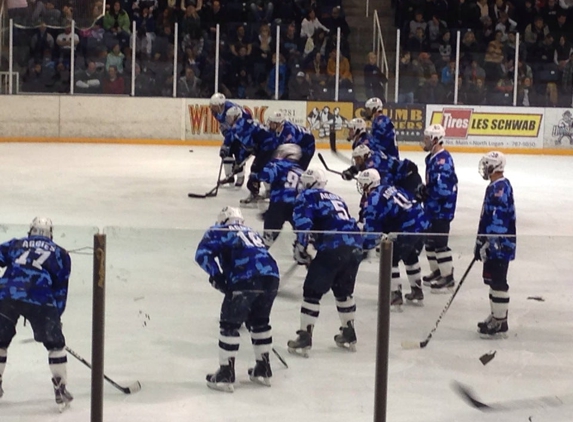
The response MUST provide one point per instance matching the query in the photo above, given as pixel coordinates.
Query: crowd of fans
(487, 51)
(103, 48)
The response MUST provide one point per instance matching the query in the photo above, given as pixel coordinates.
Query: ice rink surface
(162, 314)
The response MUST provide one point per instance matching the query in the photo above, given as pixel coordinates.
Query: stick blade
(134, 388)
(469, 397)
(411, 345)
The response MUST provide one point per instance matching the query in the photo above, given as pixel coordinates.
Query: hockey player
(358, 133)
(440, 196)
(401, 173)
(251, 138)
(282, 173)
(383, 135)
(288, 132)
(35, 286)
(389, 209)
(339, 251)
(496, 242)
(239, 265)
(219, 106)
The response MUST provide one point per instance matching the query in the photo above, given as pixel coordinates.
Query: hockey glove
(219, 282)
(480, 250)
(421, 193)
(225, 151)
(253, 185)
(301, 256)
(349, 173)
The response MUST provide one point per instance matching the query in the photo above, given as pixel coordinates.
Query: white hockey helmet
(233, 114)
(492, 162)
(367, 180)
(433, 135)
(360, 154)
(288, 151)
(217, 103)
(356, 127)
(373, 105)
(313, 178)
(275, 121)
(41, 226)
(230, 215)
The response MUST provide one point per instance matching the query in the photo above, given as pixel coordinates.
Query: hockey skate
(433, 276)
(63, 396)
(396, 301)
(494, 329)
(240, 179)
(484, 323)
(415, 297)
(303, 343)
(262, 373)
(227, 181)
(347, 337)
(443, 284)
(224, 378)
(251, 200)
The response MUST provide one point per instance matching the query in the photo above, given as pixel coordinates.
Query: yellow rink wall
(188, 122)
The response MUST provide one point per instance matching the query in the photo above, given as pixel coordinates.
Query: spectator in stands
(444, 58)
(259, 91)
(290, 41)
(144, 84)
(41, 41)
(299, 88)
(408, 79)
(567, 79)
(245, 63)
(492, 63)
(50, 15)
(88, 81)
(551, 98)
(116, 21)
(161, 68)
(543, 54)
(483, 8)
(524, 70)
(261, 10)
(550, 13)
(535, 32)
(67, 16)
(463, 93)
(525, 14)
(526, 95)
(115, 58)
(477, 93)
(417, 23)
(510, 45)
(563, 27)
(191, 60)
(316, 71)
(418, 43)
(61, 79)
(189, 86)
(435, 29)
(469, 48)
(240, 39)
(499, 8)
(138, 6)
(262, 53)
(374, 79)
(166, 20)
(562, 52)
(432, 92)
(474, 72)
(282, 77)
(66, 41)
(163, 40)
(502, 93)
(487, 31)
(345, 74)
(145, 27)
(113, 83)
(468, 15)
(448, 74)
(427, 67)
(505, 25)
(335, 21)
(37, 79)
(311, 24)
(213, 16)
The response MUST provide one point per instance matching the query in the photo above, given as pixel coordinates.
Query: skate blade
(261, 381)
(415, 302)
(396, 308)
(221, 386)
(62, 407)
(427, 283)
(351, 347)
(304, 352)
(496, 336)
(442, 291)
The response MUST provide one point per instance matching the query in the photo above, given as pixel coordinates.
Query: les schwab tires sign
(492, 127)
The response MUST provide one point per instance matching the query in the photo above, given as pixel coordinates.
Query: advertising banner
(558, 128)
(200, 124)
(321, 116)
(489, 126)
(409, 119)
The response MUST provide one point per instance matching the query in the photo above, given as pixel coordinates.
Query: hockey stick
(321, 158)
(542, 402)
(280, 357)
(133, 388)
(409, 344)
(213, 192)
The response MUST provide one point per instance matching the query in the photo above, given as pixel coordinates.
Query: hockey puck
(487, 358)
(190, 150)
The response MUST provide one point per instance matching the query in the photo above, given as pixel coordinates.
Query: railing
(379, 49)
(5, 84)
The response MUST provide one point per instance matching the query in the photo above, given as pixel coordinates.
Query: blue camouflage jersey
(498, 218)
(37, 272)
(253, 138)
(240, 251)
(383, 136)
(296, 134)
(441, 186)
(389, 209)
(391, 169)
(320, 210)
(221, 118)
(283, 176)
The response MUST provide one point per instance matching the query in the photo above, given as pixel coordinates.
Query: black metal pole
(383, 334)
(98, 328)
